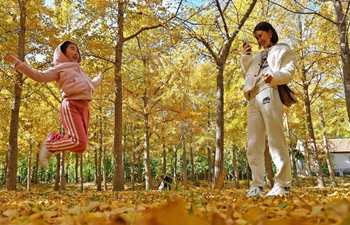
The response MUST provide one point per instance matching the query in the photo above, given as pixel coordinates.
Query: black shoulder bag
(287, 95)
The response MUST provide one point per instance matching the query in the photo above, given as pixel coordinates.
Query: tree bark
(235, 166)
(81, 173)
(100, 157)
(12, 154)
(164, 158)
(57, 174)
(343, 24)
(219, 150)
(309, 162)
(76, 168)
(148, 175)
(36, 171)
(184, 163)
(210, 165)
(326, 150)
(118, 178)
(315, 161)
(175, 163)
(62, 172)
(132, 164)
(139, 170)
(294, 166)
(104, 169)
(29, 167)
(193, 177)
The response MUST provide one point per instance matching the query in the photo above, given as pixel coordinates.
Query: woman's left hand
(267, 78)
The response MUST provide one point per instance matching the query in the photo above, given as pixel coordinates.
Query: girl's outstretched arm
(97, 80)
(45, 76)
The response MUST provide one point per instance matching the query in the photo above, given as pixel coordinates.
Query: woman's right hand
(247, 49)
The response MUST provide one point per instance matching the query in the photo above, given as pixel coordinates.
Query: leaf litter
(191, 205)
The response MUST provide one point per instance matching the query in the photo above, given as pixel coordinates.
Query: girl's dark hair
(265, 26)
(65, 45)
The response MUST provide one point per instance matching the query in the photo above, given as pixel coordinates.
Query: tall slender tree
(12, 156)
(219, 51)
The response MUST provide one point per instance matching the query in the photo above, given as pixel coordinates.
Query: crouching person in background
(166, 183)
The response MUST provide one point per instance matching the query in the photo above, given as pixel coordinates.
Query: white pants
(265, 114)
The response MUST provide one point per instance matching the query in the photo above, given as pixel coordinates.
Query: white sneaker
(45, 155)
(255, 191)
(277, 190)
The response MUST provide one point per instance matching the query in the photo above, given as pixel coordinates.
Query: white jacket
(282, 63)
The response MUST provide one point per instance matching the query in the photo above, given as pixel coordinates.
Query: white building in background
(340, 151)
(340, 155)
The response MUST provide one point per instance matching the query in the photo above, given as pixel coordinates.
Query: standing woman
(262, 73)
(76, 90)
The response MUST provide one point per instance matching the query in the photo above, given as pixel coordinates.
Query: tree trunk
(343, 21)
(35, 172)
(219, 150)
(76, 168)
(99, 158)
(209, 152)
(139, 170)
(104, 169)
(148, 175)
(164, 158)
(63, 174)
(29, 167)
(132, 164)
(220, 59)
(193, 177)
(235, 166)
(315, 161)
(96, 165)
(248, 173)
(294, 166)
(118, 178)
(184, 164)
(12, 154)
(326, 150)
(81, 173)
(57, 177)
(309, 162)
(175, 163)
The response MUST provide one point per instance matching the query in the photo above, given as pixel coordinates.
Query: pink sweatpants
(74, 116)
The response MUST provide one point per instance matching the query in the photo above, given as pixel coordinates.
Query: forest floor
(197, 204)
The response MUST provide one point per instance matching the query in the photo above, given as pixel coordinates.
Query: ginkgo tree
(17, 32)
(218, 46)
(118, 22)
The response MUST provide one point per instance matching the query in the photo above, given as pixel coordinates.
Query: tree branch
(304, 13)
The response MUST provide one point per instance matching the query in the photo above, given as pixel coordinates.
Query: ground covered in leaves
(195, 205)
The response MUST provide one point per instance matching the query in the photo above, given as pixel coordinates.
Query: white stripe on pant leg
(67, 116)
(70, 123)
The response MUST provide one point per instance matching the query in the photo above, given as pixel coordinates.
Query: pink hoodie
(74, 84)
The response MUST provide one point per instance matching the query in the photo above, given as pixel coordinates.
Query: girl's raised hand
(11, 59)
